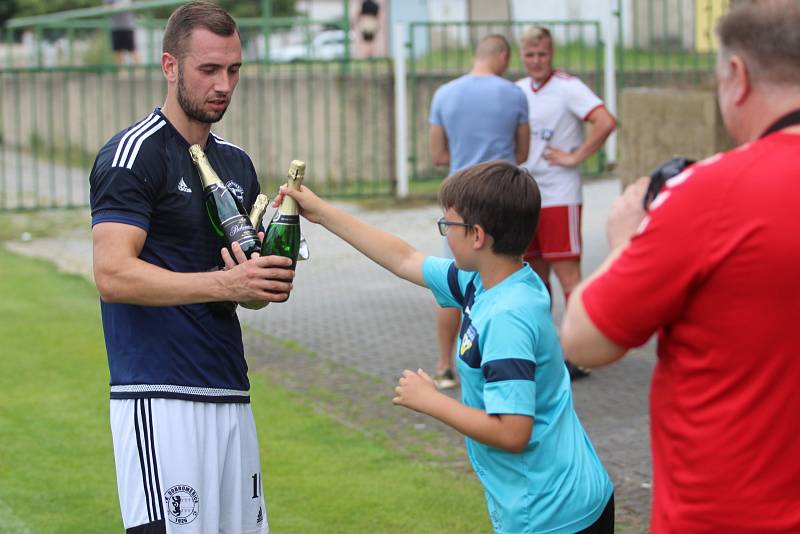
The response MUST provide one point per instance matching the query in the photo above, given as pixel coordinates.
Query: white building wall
(447, 10)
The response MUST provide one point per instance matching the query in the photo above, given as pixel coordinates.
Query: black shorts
(605, 523)
(122, 40)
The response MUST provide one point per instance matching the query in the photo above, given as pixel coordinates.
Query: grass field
(56, 460)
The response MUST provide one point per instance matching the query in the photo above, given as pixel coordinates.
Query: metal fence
(335, 116)
(667, 42)
(440, 52)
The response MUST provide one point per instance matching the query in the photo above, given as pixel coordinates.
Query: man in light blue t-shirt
(475, 118)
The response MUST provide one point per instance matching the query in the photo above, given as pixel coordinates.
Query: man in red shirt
(714, 267)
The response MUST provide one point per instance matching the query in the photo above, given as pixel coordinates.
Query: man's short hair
(535, 34)
(766, 33)
(197, 14)
(501, 197)
(492, 45)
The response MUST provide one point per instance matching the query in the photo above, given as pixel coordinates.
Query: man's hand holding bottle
(259, 280)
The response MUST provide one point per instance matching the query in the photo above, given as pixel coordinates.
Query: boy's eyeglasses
(443, 224)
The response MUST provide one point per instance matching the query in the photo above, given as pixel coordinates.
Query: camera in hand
(664, 172)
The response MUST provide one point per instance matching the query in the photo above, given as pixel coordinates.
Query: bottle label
(238, 228)
(282, 218)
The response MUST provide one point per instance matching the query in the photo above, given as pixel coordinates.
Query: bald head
(491, 56)
(492, 46)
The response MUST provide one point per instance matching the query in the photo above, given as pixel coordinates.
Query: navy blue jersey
(145, 177)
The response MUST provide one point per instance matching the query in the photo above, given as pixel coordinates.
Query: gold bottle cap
(197, 153)
(259, 209)
(297, 169)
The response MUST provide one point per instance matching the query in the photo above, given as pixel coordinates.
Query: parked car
(325, 45)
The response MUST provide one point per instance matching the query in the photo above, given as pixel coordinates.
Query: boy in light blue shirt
(539, 471)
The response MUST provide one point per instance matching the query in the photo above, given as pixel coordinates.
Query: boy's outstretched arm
(506, 431)
(385, 249)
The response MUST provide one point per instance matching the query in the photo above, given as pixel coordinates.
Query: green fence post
(346, 28)
(266, 16)
(9, 40)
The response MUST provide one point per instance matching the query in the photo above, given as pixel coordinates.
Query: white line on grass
(9, 523)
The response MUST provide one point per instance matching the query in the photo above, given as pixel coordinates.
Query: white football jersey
(556, 111)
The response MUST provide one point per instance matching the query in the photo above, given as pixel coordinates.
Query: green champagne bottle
(228, 217)
(283, 234)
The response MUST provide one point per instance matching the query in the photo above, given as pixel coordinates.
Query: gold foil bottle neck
(207, 173)
(297, 171)
(259, 209)
(197, 153)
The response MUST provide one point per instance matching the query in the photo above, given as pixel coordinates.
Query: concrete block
(657, 124)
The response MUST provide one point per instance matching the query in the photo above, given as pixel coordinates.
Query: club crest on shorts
(182, 503)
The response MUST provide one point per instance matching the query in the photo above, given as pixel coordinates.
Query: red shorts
(558, 236)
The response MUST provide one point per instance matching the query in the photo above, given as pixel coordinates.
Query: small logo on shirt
(236, 189)
(260, 516)
(183, 187)
(183, 504)
(547, 134)
(466, 341)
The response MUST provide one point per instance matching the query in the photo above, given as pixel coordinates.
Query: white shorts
(187, 467)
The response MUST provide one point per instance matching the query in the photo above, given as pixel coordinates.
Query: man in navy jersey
(185, 442)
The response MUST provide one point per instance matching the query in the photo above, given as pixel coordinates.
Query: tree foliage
(7, 10)
(27, 8)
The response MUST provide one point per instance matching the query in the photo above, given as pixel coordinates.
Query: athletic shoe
(445, 380)
(576, 372)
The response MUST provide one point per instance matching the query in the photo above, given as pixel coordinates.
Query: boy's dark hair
(186, 18)
(501, 197)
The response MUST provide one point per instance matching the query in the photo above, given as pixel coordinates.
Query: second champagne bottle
(283, 233)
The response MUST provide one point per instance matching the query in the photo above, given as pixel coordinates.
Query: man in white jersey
(558, 104)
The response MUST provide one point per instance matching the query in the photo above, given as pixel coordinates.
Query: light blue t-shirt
(510, 362)
(480, 115)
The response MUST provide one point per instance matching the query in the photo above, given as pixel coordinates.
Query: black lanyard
(790, 119)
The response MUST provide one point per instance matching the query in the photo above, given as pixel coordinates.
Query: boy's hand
(415, 390)
(311, 205)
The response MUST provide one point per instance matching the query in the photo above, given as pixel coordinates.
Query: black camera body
(664, 172)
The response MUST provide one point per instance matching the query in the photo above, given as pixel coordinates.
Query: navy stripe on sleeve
(452, 283)
(509, 369)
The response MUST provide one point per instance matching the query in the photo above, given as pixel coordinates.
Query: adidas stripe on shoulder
(222, 141)
(131, 142)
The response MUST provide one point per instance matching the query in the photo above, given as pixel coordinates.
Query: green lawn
(56, 460)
